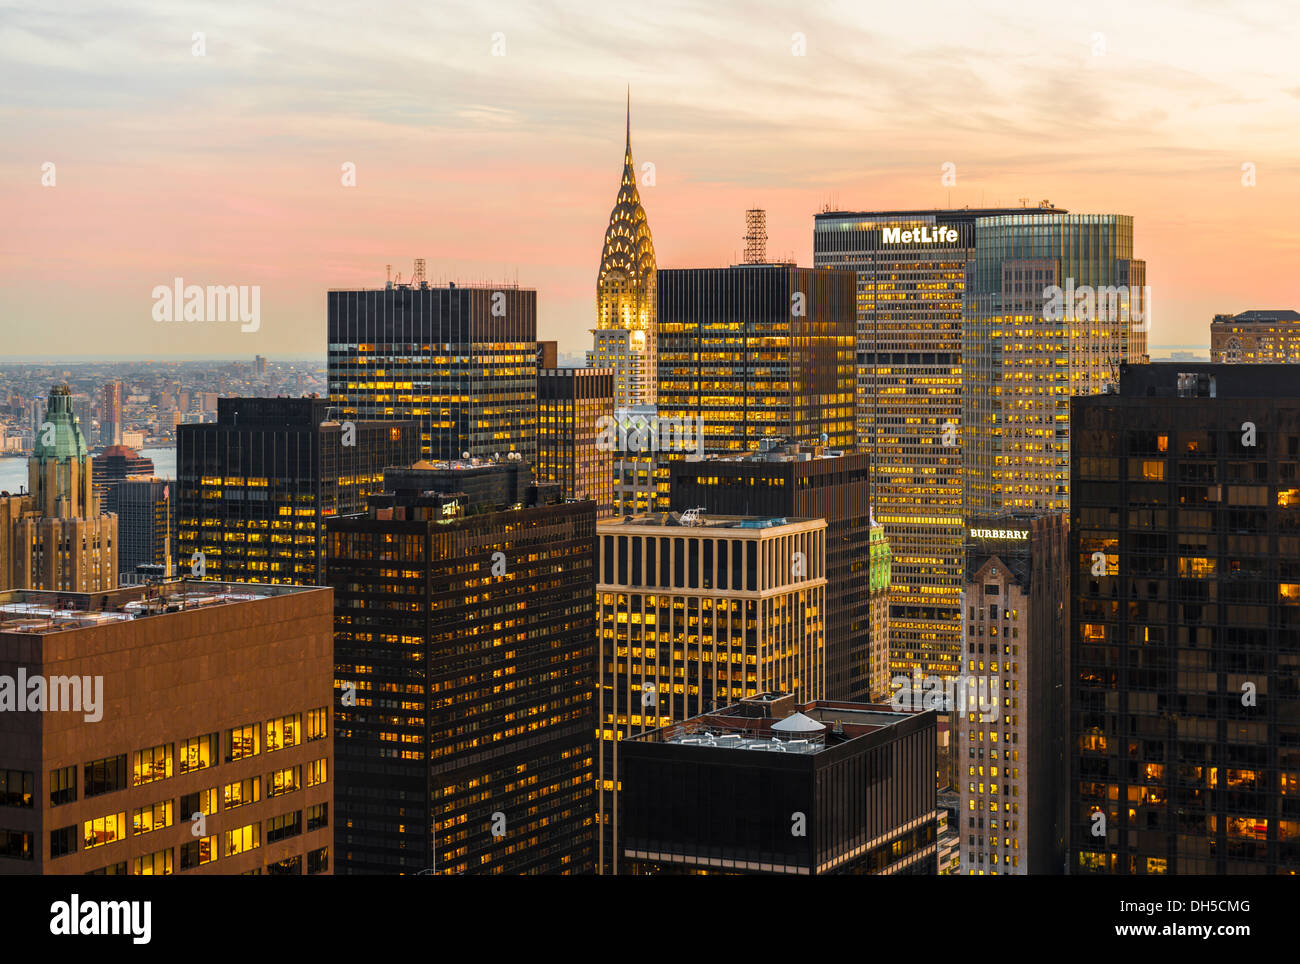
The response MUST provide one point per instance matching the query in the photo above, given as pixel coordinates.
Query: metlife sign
(922, 235)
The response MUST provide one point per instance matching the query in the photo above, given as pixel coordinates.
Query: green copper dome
(65, 441)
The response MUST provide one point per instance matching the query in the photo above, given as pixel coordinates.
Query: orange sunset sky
(226, 168)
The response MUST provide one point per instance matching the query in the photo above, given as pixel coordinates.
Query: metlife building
(913, 269)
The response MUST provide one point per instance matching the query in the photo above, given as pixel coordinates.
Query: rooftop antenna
(1024, 202)
(388, 275)
(756, 236)
(417, 277)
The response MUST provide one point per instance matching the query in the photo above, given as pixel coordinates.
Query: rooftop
(40, 612)
(776, 724)
(1257, 316)
(698, 519)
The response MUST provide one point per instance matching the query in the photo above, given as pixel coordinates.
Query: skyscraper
(115, 463)
(806, 482)
(756, 352)
(1185, 617)
(912, 270)
(1011, 716)
(58, 537)
(111, 431)
(461, 360)
(146, 524)
(1058, 302)
(185, 728)
(257, 486)
(466, 653)
(694, 612)
(625, 332)
(570, 405)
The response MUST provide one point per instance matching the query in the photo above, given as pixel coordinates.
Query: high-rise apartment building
(1058, 302)
(57, 538)
(812, 483)
(146, 524)
(1259, 336)
(185, 728)
(466, 654)
(257, 486)
(1185, 618)
(912, 271)
(571, 404)
(694, 612)
(756, 352)
(772, 786)
(461, 360)
(1009, 751)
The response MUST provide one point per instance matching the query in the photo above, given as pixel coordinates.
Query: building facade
(1256, 337)
(1057, 304)
(1011, 719)
(753, 353)
(1185, 623)
(571, 404)
(192, 731)
(912, 272)
(146, 524)
(807, 482)
(771, 786)
(694, 612)
(460, 360)
(257, 486)
(466, 657)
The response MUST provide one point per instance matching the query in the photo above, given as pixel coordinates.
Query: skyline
(225, 169)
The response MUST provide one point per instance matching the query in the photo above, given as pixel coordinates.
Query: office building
(695, 612)
(807, 482)
(1011, 701)
(1058, 302)
(461, 360)
(466, 657)
(257, 486)
(1256, 337)
(573, 405)
(912, 271)
(1185, 623)
(146, 525)
(57, 537)
(186, 729)
(771, 786)
(752, 353)
(548, 355)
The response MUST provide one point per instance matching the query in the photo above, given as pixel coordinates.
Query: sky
(487, 138)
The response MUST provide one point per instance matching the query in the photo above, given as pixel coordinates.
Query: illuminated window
(150, 818)
(244, 839)
(152, 764)
(280, 782)
(198, 753)
(154, 864)
(240, 792)
(316, 773)
(242, 742)
(283, 732)
(317, 724)
(104, 830)
(196, 853)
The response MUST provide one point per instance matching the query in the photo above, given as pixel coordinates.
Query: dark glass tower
(756, 352)
(769, 786)
(790, 482)
(465, 645)
(1185, 613)
(461, 360)
(257, 485)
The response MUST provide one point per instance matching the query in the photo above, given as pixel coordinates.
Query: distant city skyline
(228, 168)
